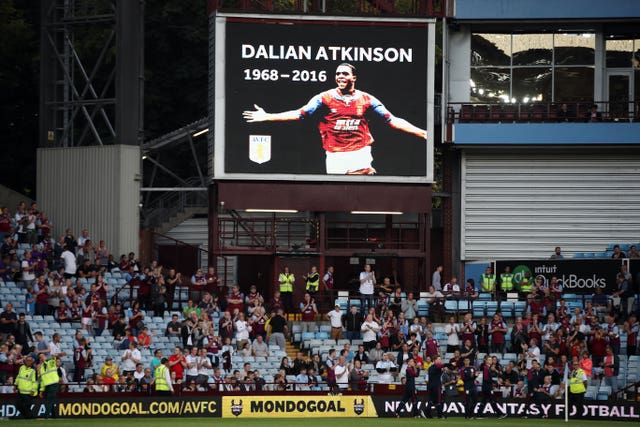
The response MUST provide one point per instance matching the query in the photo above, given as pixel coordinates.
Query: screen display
(323, 100)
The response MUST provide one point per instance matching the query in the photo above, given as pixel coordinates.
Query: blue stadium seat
(478, 308)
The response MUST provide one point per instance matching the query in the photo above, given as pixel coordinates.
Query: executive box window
(523, 68)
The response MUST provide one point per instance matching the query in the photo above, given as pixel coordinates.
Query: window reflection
(532, 49)
(619, 53)
(531, 84)
(573, 84)
(490, 84)
(574, 49)
(491, 49)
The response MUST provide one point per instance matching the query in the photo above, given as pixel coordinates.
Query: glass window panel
(619, 53)
(490, 84)
(574, 49)
(532, 49)
(573, 84)
(491, 49)
(531, 84)
(636, 93)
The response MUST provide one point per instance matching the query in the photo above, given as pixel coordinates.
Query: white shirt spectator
(129, 359)
(204, 366)
(533, 353)
(242, 330)
(26, 273)
(192, 365)
(336, 318)
(452, 332)
(386, 377)
(369, 331)
(54, 349)
(366, 287)
(70, 266)
(342, 376)
(431, 296)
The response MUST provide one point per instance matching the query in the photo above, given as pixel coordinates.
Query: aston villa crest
(260, 148)
(358, 407)
(236, 408)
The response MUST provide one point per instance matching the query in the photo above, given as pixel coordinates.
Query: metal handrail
(536, 112)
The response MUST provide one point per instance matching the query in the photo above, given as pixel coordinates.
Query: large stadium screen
(323, 99)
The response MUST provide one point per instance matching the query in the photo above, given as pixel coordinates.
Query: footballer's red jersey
(344, 127)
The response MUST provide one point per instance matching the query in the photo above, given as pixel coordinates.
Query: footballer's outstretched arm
(259, 115)
(403, 125)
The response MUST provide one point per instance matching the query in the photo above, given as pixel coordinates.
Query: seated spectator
(593, 115)
(145, 338)
(173, 327)
(259, 347)
(452, 289)
(435, 299)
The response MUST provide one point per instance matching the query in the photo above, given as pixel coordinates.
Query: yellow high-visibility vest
(576, 384)
(161, 378)
(313, 282)
(26, 380)
(488, 282)
(48, 373)
(506, 281)
(286, 282)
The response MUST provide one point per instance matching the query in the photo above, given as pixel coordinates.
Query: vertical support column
(129, 71)
(47, 77)
(425, 280)
(214, 231)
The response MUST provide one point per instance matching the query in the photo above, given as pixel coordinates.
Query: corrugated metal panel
(195, 231)
(522, 204)
(93, 188)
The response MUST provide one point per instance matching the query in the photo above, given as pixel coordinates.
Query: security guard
(162, 378)
(49, 385)
(526, 284)
(577, 387)
(506, 280)
(488, 281)
(27, 387)
(313, 281)
(286, 280)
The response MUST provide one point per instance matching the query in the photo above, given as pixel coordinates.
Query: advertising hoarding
(323, 99)
(576, 276)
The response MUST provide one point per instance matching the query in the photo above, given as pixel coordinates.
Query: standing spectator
(452, 330)
(212, 282)
(22, 334)
(632, 328)
(308, 309)
(81, 360)
(27, 387)
(192, 365)
(8, 320)
(279, 329)
(353, 323)
(532, 353)
(335, 317)
(611, 365)
(242, 329)
(410, 307)
(312, 280)
(162, 379)
(341, 370)
(286, 280)
(198, 286)
(436, 278)
(130, 358)
(69, 260)
(55, 349)
(172, 280)
(367, 285)
(176, 364)
(235, 300)
(369, 329)
(259, 348)
(159, 297)
(497, 330)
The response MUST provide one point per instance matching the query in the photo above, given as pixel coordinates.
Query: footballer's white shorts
(344, 162)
